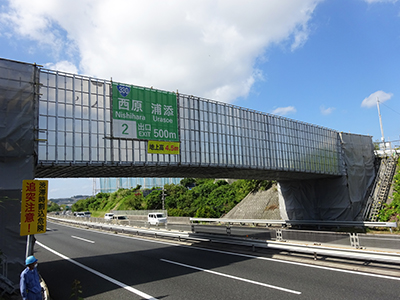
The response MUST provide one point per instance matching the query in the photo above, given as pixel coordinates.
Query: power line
(390, 108)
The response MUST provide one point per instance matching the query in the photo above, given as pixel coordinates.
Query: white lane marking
(123, 285)
(304, 264)
(246, 255)
(82, 239)
(233, 277)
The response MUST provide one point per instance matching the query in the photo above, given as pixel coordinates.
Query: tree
(53, 207)
(153, 200)
(187, 181)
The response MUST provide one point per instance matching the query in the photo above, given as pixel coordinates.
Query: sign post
(33, 210)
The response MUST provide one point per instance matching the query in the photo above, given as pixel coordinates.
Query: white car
(156, 219)
(108, 216)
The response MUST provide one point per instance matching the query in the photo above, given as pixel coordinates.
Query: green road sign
(145, 114)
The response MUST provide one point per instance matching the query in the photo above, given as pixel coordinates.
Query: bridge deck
(217, 139)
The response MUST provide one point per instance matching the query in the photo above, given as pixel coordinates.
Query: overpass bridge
(59, 125)
(65, 123)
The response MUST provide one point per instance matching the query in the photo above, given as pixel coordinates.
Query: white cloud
(207, 48)
(63, 65)
(301, 34)
(371, 100)
(283, 111)
(326, 111)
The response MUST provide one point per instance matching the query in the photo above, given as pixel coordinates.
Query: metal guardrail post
(279, 235)
(354, 240)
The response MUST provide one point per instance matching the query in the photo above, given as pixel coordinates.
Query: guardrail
(128, 222)
(343, 252)
(390, 225)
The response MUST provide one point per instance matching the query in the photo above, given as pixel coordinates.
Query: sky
(320, 62)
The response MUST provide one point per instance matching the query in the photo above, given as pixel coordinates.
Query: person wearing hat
(29, 283)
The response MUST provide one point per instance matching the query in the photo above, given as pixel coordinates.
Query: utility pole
(94, 187)
(163, 198)
(380, 121)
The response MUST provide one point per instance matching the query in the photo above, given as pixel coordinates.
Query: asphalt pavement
(104, 265)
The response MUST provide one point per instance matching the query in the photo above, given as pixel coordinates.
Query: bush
(390, 212)
(53, 207)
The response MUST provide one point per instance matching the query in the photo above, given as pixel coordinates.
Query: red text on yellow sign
(33, 206)
(159, 147)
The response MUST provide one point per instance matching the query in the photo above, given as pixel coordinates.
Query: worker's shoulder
(25, 271)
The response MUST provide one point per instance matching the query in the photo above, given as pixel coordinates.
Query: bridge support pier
(333, 199)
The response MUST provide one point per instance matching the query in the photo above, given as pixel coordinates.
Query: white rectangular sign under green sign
(146, 114)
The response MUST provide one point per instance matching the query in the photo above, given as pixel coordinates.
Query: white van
(108, 216)
(156, 219)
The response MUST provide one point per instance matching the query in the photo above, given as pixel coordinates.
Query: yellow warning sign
(33, 206)
(159, 147)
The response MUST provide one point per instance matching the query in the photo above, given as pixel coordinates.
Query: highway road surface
(115, 266)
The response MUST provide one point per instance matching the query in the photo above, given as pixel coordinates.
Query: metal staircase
(381, 188)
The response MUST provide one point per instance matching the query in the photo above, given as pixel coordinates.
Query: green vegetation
(76, 290)
(391, 211)
(208, 198)
(53, 207)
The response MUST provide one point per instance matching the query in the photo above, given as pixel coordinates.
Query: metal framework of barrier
(216, 139)
(297, 222)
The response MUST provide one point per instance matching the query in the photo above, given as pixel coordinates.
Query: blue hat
(30, 260)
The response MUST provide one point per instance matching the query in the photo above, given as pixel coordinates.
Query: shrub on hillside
(391, 212)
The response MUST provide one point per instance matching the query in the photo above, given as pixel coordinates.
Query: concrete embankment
(258, 205)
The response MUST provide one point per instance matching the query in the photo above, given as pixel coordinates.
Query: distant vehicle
(156, 219)
(121, 220)
(88, 214)
(79, 214)
(108, 216)
(57, 213)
